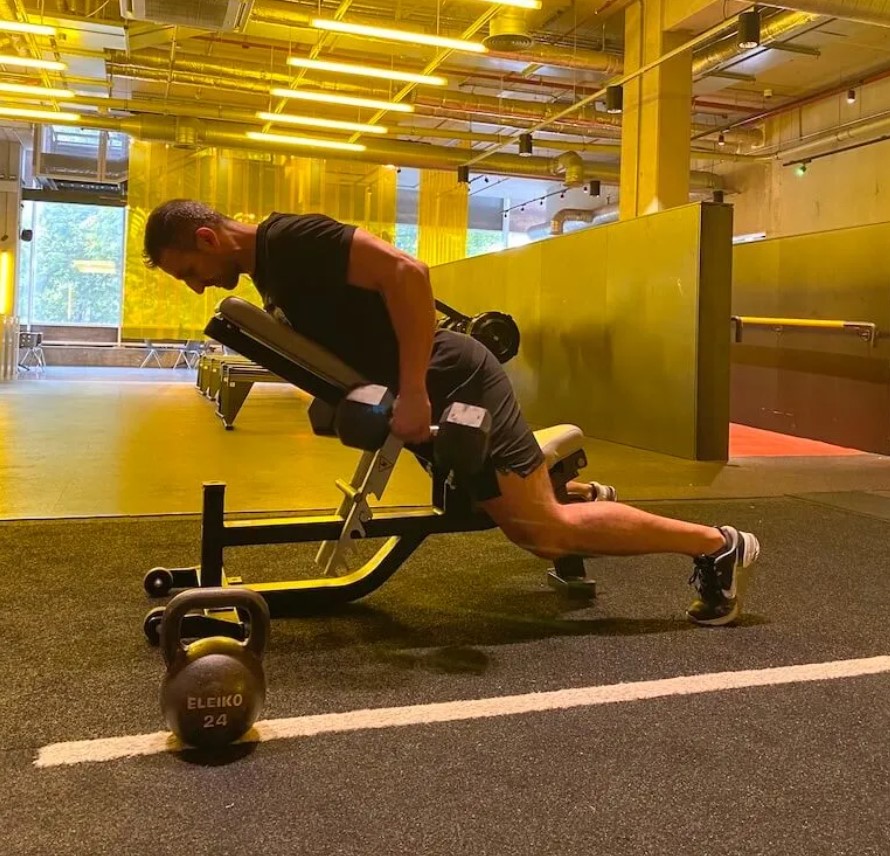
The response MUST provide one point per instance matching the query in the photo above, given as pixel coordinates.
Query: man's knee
(542, 535)
(529, 515)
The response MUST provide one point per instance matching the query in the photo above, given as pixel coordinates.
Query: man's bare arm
(404, 283)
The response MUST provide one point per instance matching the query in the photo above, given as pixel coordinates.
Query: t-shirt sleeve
(309, 249)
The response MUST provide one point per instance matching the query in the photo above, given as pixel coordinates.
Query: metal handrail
(864, 329)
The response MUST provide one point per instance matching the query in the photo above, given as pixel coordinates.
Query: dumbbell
(460, 440)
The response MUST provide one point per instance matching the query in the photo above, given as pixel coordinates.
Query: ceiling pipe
(223, 72)
(770, 30)
(581, 60)
(460, 106)
(556, 225)
(604, 214)
(285, 14)
(570, 167)
(840, 135)
(230, 135)
(280, 12)
(126, 69)
(468, 117)
(505, 109)
(139, 72)
(832, 91)
(215, 112)
(576, 145)
(486, 105)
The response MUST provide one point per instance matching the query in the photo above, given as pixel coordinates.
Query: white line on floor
(108, 749)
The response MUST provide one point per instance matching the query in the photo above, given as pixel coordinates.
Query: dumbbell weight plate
(498, 332)
(363, 417)
(462, 438)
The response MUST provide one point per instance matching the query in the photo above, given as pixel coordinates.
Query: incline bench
(261, 338)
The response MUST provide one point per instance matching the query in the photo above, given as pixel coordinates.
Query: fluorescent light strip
(6, 297)
(388, 34)
(26, 113)
(330, 124)
(32, 29)
(42, 91)
(310, 142)
(347, 100)
(30, 62)
(521, 4)
(367, 71)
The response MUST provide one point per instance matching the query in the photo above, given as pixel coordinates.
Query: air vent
(200, 14)
(508, 32)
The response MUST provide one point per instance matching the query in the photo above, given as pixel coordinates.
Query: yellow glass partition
(442, 217)
(247, 186)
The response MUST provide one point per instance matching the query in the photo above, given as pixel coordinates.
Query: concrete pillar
(10, 210)
(657, 122)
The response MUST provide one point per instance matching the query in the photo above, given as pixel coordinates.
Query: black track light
(614, 99)
(749, 29)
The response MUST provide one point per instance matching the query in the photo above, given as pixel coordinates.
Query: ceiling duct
(508, 32)
(603, 214)
(556, 225)
(231, 135)
(569, 165)
(248, 77)
(775, 28)
(218, 15)
(185, 135)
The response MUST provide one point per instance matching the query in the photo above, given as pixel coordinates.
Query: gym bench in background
(227, 380)
(268, 343)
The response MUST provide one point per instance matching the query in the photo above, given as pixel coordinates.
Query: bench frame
(451, 510)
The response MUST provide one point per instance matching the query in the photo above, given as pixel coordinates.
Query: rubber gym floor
(461, 709)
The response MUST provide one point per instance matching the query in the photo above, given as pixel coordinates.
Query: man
(373, 306)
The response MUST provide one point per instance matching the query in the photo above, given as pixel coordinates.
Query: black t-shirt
(301, 267)
(302, 262)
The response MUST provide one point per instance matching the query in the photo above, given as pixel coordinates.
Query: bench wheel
(152, 626)
(158, 582)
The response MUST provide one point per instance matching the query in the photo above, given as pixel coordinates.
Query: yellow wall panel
(611, 322)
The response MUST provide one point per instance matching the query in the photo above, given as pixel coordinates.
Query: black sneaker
(720, 579)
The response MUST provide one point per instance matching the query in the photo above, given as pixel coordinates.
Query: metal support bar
(371, 476)
(790, 47)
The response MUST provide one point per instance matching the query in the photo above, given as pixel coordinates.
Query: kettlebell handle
(214, 598)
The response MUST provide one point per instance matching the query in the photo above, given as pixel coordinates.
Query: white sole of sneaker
(717, 622)
(751, 550)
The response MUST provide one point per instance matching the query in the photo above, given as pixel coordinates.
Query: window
(484, 241)
(71, 272)
(406, 238)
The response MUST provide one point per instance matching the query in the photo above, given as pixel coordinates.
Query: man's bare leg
(528, 513)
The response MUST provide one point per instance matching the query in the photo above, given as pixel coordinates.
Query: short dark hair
(172, 226)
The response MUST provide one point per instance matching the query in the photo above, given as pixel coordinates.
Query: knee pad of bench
(559, 442)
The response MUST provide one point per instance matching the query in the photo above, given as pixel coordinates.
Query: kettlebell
(214, 688)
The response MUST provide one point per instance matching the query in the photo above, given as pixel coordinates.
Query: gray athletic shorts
(462, 369)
